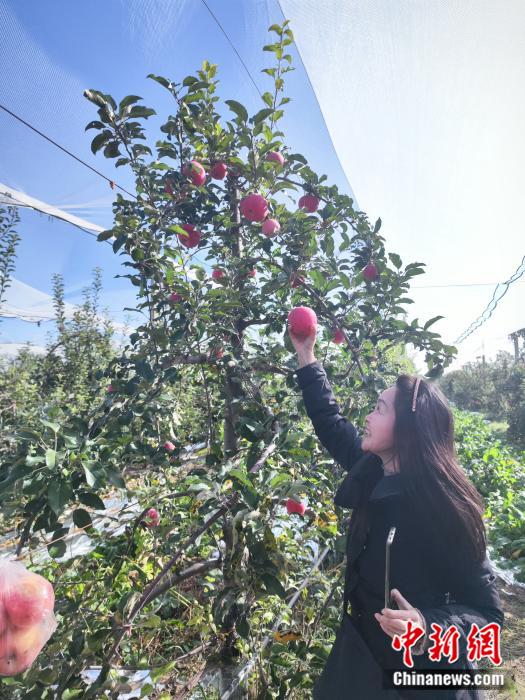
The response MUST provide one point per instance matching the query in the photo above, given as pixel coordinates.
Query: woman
(404, 472)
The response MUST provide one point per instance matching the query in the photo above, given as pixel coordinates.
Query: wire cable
(492, 303)
(232, 45)
(40, 133)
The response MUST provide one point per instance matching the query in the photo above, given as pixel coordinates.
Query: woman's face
(378, 436)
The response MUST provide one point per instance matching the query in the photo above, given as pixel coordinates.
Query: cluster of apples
(254, 208)
(26, 617)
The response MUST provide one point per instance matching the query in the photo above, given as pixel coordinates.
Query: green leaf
(95, 96)
(243, 628)
(58, 494)
(432, 320)
(129, 100)
(55, 427)
(90, 477)
(239, 109)
(143, 112)
(377, 226)
(273, 585)
(94, 125)
(51, 457)
(100, 140)
(261, 115)
(82, 518)
(396, 260)
(119, 242)
(159, 79)
(240, 476)
(91, 500)
(104, 236)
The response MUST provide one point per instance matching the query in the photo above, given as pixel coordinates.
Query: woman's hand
(395, 622)
(305, 346)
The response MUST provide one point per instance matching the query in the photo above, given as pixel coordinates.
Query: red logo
(407, 640)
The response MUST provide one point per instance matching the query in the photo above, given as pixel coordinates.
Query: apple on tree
(195, 171)
(168, 446)
(270, 227)
(295, 507)
(370, 272)
(219, 170)
(338, 336)
(254, 207)
(175, 297)
(193, 237)
(309, 202)
(152, 518)
(303, 322)
(218, 274)
(275, 157)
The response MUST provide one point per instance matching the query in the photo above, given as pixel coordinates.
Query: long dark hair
(438, 488)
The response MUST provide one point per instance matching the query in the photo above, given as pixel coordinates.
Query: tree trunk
(233, 386)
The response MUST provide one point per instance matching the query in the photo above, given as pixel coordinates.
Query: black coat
(416, 569)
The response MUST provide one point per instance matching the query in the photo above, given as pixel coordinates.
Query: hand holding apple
(302, 327)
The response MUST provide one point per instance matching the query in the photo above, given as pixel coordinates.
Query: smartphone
(389, 602)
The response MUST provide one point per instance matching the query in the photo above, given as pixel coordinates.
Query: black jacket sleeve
(477, 601)
(334, 431)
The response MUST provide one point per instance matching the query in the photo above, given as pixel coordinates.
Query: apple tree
(228, 231)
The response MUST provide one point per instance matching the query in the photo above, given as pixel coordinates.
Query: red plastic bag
(26, 616)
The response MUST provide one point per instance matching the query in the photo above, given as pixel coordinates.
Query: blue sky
(418, 147)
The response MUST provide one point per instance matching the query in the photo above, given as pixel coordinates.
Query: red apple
(9, 665)
(6, 644)
(27, 644)
(110, 389)
(370, 272)
(218, 274)
(296, 280)
(152, 518)
(4, 622)
(193, 237)
(168, 187)
(295, 507)
(175, 296)
(218, 170)
(338, 336)
(251, 273)
(30, 601)
(270, 227)
(169, 446)
(275, 157)
(303, 322)
(309, 202)
(195, 171)
(254, 207)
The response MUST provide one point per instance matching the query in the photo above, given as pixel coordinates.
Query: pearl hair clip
(415, 394)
